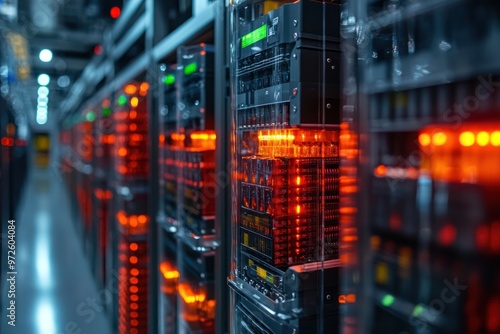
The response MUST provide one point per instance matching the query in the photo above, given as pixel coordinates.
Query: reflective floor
(55, 292)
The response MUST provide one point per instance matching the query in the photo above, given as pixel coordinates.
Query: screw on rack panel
(295, 35)
(294, 23)
(328, 106)
(328, 60)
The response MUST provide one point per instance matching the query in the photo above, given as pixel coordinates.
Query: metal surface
(222, 169)
(132, 35)
(152, 78)
(123, 21)
(185, 32)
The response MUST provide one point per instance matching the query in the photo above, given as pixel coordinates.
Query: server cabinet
(168, 199)
(196, 161)
(286, 111)
(428, 114)
(187, 192)
(130, 201)
(102, 195)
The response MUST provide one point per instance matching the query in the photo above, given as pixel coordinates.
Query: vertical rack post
(222, 170)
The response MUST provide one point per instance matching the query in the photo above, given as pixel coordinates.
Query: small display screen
(254, 36)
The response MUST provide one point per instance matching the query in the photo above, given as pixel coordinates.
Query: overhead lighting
(45, 55)
(43, 79)
(43, 91)
(41, 119)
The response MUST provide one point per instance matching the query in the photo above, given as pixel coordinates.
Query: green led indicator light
(388, 300)
(190, 68)
(106, 111)
(169, 79)
(254, 36)
(122, 100)
(418, 310)
(90, 116)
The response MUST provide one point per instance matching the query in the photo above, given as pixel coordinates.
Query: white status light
(45, 55)
(43, 79)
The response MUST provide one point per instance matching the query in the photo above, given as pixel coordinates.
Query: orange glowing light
(203, 136)
(483, 138)
(297, 209)
(168, 271)
(342, 299)
(495, 138)
(351, 298)
(144, 88)
(297, 143)
(132, 127)
(203, 140)
(134, 280)
(439, 139)
(132, 220)
(133, 259)
(350, 238)
(297, 181)
(467, 139)
(134, 322)
(130, 89)
(132, 114)
(177, 136)
(122, 218)
(134, 298)
(134, 272)
(134, 314)
(134, 102)
(142, 219)
(134, 289)
(133, 246)
(375, 242)
(424, 139)
(122, 151)
(188, 295)
(133, 306)
(381, 170)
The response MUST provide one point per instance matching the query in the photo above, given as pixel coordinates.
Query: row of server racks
(347, 184)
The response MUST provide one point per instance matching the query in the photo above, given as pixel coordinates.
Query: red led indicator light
(447, 234)
(115, 12)
(98, 50)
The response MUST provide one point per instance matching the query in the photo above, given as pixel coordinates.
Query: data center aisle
(53, 277)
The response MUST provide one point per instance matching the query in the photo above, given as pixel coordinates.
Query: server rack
(84, 150)
(427, 113)
(102, 197)
(118, 65)
(286, 111)
(130, 207)
(168, 204)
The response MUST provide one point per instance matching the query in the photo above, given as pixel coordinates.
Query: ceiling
(71, 29)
